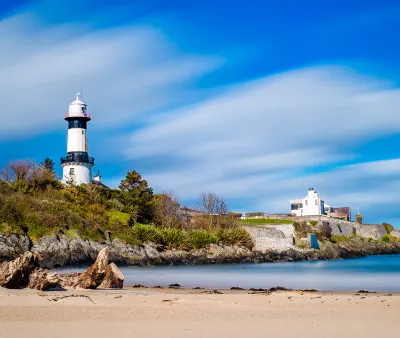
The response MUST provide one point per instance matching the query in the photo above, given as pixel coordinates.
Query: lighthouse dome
(78, 107)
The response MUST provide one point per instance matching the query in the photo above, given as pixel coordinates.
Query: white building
(77, 165)
(311, 205)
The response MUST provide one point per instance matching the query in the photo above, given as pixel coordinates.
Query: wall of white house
(311, 205)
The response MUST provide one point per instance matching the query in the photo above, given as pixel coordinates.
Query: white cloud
(258, 141)
(124, 72)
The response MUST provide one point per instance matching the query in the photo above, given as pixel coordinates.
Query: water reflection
(374, 273)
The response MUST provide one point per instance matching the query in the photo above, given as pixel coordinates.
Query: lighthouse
(77, 165)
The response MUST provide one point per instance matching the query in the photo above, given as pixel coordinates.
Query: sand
(192, 313)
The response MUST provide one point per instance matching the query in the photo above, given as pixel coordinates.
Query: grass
(340, 238)
(118, 216)
(261, 221)
(389, 239)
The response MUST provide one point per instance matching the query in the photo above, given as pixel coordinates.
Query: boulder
(52, 251)
(323, 230)
(41, 279)
(15, 274)
(114, 279)
(12, 246)
(328, 250)
(93, 277)
(70, 280)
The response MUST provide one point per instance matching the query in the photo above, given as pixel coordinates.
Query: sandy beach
(146, 312)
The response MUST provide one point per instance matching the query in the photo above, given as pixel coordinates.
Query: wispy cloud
(264, 140)
(124, 71)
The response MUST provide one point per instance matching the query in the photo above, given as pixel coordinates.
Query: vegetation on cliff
(34, 202)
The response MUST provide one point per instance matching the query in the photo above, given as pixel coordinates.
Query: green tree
(137, 198)
(48, 166)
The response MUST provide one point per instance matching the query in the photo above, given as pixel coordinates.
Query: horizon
(253, 102)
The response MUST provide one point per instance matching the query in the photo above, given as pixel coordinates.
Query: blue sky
(256, 101)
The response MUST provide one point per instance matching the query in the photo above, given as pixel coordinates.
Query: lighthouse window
(72, 171)
(83, 133)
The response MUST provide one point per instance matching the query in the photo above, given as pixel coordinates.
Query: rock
(322, 230)
(53, 251)
(114, 279)
(328, 250)
(13, 246)
(93, 277)
(268, 238)
(70, 280)
(80, 251)
(15, 274)
(41, 279)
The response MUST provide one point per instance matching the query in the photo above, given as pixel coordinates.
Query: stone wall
(269, 238)
(340, 227)
(375, 231)
(287, 229)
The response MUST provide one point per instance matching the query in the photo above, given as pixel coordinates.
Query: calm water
(374, 273)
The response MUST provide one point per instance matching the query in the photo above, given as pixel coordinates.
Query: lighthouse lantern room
(77, 165)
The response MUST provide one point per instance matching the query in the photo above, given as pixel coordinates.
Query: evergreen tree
(137, 197)
(49, 166)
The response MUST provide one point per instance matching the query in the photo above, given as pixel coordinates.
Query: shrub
(386, 239)
(313, 223)
(172, 237)
(145, 233)
(235, 237)
(9, 212)
(388, 227)
(198, 239)
(118, 217)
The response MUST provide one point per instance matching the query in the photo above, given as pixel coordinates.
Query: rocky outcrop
(24, 272)
(13, 246)
(99, 274)
(271, 245)
(41, 279)
(15, 274)
(358, 246)
(114, 279)
(328, 250)
(53, 251)
(94, 276)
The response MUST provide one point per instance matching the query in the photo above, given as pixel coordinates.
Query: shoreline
(183, 313)
(61, 251)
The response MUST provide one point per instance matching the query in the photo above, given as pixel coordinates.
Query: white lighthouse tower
(77, 165)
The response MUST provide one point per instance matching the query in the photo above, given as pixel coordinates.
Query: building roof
(100, 184)
(295, 201)
(343, 211)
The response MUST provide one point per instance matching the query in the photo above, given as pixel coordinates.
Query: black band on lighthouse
(77, 157)
(78, 123)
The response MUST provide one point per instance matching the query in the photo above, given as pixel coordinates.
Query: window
(72, 171)
(316, 202)
(306, 202)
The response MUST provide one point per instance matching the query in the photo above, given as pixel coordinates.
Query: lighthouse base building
(77, 165)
